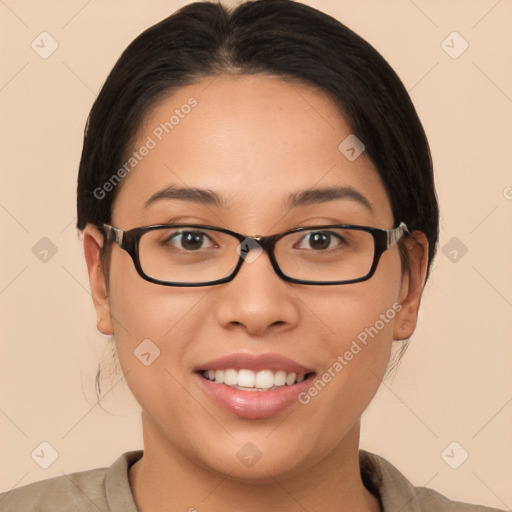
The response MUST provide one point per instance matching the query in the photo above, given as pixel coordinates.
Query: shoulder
(61, 493)
(397, 493)
(96, 489)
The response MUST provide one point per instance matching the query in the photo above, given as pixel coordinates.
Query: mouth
(253, 386)
(248, 380)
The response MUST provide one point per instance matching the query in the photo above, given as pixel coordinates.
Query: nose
(257, 300)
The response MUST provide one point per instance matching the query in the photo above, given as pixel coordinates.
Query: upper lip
(254, 362)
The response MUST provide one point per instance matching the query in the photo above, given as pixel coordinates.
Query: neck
(164, 479)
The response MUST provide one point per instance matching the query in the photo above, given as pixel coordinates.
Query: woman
(259, 218)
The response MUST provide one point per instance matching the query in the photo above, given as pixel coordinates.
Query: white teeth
(280, 378)
(290, 378)
(219, 376)
(263, 380)
(246, 378)
(231, 377)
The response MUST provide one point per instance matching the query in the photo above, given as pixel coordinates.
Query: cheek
(354, 359)
(148, 323)
(361, 330)
(143, 310)
(152, 326)
(364, 312)
(360, 320)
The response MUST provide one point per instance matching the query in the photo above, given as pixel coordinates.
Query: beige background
(454, 383)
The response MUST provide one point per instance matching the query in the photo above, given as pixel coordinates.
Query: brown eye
(319, 240)
(189, 240)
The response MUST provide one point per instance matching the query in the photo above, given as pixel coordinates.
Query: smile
(253, 386)
(248, 380)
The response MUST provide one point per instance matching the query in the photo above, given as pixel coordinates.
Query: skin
(237, 142)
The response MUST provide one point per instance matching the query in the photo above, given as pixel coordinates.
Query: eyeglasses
(199, 255)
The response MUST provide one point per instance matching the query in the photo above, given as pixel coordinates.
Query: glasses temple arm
(114, 234)
(394, 235)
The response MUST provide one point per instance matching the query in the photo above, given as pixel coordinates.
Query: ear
(412, 286)
(93, 242)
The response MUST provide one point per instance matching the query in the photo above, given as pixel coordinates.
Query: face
(253, 141)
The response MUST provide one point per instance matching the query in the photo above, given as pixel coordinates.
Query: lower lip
(254, 404)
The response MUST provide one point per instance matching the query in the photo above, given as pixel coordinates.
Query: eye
(320, 240)
(189, 240)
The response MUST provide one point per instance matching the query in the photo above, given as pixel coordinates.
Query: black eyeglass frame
(384, 239)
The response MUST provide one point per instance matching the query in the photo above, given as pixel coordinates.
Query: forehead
(251, 139)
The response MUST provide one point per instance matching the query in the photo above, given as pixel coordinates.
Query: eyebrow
(294, 200)
(323, 195)
(192, 194)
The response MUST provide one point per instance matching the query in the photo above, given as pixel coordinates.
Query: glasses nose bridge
(248, 243)
(267, 243)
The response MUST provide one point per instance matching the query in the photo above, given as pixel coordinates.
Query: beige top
(108, 490)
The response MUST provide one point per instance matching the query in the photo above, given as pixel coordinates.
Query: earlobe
(412, 286)
(93, 242)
